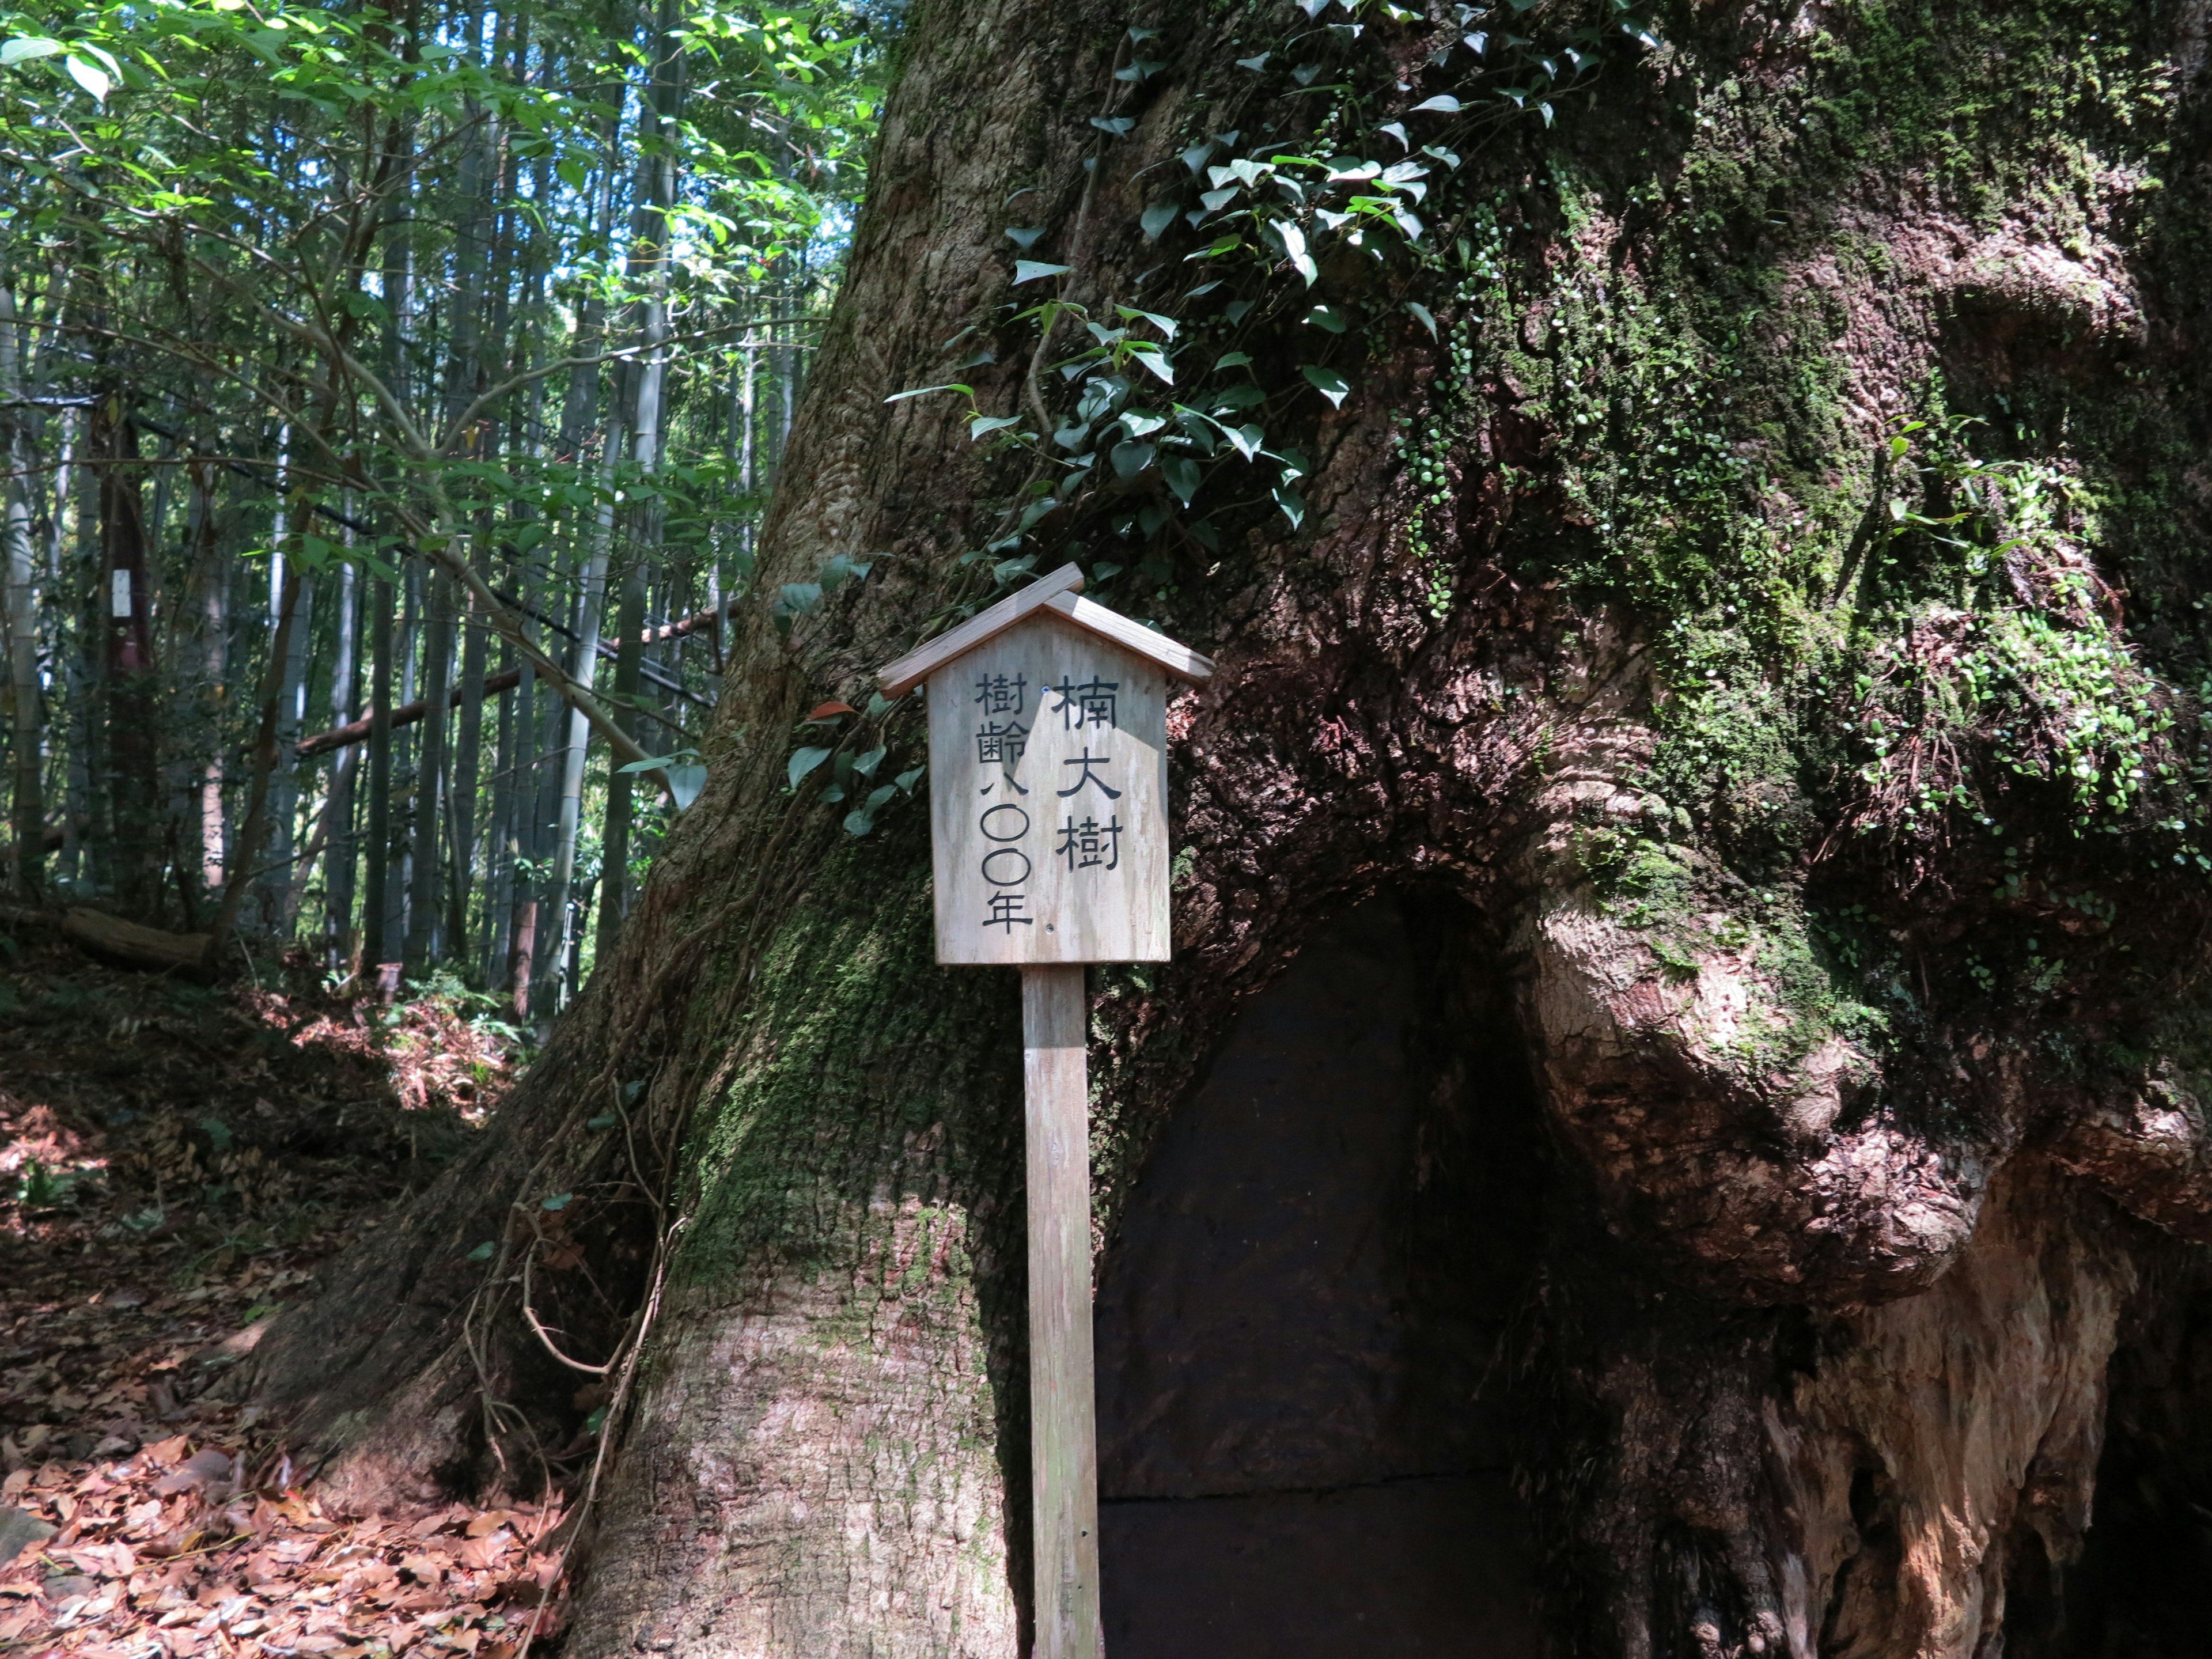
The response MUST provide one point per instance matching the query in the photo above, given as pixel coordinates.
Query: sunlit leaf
(1327, 382)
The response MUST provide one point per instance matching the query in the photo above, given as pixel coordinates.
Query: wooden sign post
(1048, 784)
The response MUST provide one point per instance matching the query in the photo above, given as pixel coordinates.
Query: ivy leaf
(1183, 475)
(1292, 503)
(1477, 43)
(1030, 270)
(1327, 382)
(558, 1201)
(1113, 126)
(1157, 217)
(1195, 157)
(1397, 131)
(684, 783)
(1443, 104)
(1024, 240)
(1233, 360)
(1423, 316)
(1130, 458)
(983, 425)
(485, 1251)
(1159, 366)
(1294, 245)
(1255, 64)
(1328, 318)
(804, 760)
(862, 818)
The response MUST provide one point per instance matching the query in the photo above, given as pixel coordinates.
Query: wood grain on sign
(1048, 762)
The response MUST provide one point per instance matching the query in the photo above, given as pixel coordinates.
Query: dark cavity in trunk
(1306, 1315)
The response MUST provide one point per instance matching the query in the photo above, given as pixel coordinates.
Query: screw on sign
(1048, 795)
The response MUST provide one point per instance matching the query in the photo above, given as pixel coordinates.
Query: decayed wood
(1063, 1410)
(911, 670)
(120, 941)
(1034, 860)
(139, 947)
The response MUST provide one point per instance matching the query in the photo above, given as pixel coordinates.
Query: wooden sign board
(1048, 750)
(1048, 769)
(1048, 824)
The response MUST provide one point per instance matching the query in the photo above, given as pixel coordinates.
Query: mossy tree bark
(1827, 786)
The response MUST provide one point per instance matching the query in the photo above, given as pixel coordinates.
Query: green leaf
(862, 818)
(1294, 245)
(1157, 217)
(1258, 62)
(1030, 270)
(1115, 125)
(604, 1121)
(558, 1201)
(483, 1252)
(1443, 104)
(1165, 324)
(1423, 316)
(1161, 369)
(1233, 360)
(1294, 505)
(1220, 246)
(924, 391)
(93, 81)
(1327, 317)
(1130, 458)
(804, 760)
(1183, 475)
(983, 425)
(684, 783)
(1024, 240)
(1327, 382)
(24, 47)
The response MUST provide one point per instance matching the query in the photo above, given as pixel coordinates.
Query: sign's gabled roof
(1057, 594)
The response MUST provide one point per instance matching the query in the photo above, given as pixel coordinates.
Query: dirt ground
(175, 1161)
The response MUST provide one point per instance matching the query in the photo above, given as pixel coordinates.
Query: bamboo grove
(389, 398)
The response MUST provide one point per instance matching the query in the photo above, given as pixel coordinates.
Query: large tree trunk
(1623, 637)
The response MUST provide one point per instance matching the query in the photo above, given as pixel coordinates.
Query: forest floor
(175, 1161)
